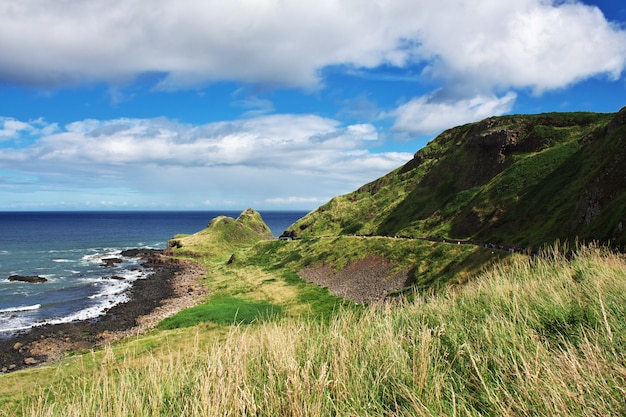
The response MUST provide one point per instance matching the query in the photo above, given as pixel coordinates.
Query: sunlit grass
(528, 337)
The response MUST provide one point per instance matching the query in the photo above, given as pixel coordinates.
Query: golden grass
(528, 337)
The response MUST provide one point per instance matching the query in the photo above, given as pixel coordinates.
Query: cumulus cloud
(427, 115)
(531, 43)
(190, 42)
(539, 44)
(10, 128)
(266, 159)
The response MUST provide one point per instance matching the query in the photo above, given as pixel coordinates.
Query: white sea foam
(84, 314)
(111, 289)
(97, 258)
(16, 327)
(62, 260)
(112, 293)
(20, 308)
(108, 292)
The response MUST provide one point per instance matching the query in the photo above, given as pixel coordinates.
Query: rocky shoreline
(172, 286)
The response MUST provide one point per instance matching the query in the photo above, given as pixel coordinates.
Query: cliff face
(524, 179)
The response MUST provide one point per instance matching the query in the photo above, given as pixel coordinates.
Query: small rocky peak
(618, 121)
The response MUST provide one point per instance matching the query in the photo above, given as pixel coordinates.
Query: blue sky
(206, 105)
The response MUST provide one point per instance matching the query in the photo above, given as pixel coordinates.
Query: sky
(273, 104)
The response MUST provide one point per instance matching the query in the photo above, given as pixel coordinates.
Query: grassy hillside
(528, 337)
(222, 236)
(514, 180)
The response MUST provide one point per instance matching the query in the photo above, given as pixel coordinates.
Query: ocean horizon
(68, 247)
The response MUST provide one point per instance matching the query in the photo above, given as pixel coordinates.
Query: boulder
(30, 361)
(117, 277)
(111, 261)
(25, 278)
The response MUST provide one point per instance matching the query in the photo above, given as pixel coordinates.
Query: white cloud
(191, 42)
(426, 115)
(539, 44)
(531, 43)
(10, 127)
(241, 161)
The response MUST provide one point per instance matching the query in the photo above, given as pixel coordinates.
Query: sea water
(68, 248)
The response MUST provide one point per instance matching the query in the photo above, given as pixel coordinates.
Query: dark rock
(24, 278)
(141, 253)
(174, 244)
(108, 262)
(117, 277)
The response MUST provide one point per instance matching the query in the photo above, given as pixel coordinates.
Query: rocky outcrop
(33, 279)
(141, 253)
(109, 262)
(367, 280)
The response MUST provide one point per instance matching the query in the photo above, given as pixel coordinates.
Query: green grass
(223, 310)
(434, 264)
(466, 185)
(541, 336)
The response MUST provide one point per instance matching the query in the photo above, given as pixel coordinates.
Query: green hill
(222, 236)
(521, 180)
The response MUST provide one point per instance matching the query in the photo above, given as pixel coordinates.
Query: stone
(28, 278)
(30, 361)
(108, 262)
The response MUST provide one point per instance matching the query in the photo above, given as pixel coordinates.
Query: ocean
(67, 248)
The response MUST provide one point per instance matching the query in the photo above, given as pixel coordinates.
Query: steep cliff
(516, 180)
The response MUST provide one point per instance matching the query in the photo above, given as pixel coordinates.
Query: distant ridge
(522, 180)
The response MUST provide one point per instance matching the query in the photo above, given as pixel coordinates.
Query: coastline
(171, 286)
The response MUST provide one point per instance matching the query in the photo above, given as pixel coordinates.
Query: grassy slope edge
(539, 336)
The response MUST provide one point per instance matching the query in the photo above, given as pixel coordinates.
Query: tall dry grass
(530, 337)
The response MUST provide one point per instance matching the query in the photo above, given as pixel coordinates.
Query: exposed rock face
(368, 280)
(34, 279)
(618, 121)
